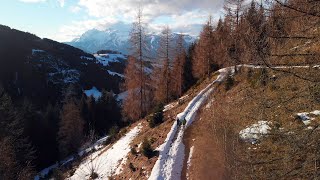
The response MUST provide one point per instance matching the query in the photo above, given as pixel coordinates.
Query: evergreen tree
(188, 79)
(16, 145)
(70, 129)
(108, 113)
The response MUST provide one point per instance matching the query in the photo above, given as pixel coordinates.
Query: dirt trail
(207, 160)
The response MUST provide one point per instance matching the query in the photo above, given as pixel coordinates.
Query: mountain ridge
(116, 38)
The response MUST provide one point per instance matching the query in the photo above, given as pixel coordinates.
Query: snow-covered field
(95, 146)
(171, 153)
(107, 162)
(105, 59)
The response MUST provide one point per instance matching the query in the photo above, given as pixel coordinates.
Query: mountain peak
(116, 37)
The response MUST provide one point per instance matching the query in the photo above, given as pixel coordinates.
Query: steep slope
(37, 74)
(230, 120)
(170, 162)
(41, 68)
(171, 149)
(257, 128)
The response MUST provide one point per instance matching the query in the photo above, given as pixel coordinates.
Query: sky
(65, 20)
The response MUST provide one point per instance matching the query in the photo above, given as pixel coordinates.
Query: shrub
(94, 175)
(257, 78)
(147, 149)
(264, 77)
(58, 174)
(134, 151)
(131, 166)
(113, 132)
(249, 74)
(229, 82)
(156, 118)
(315, 92)
(184, 122)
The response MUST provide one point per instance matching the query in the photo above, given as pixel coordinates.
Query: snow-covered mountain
(116, 37)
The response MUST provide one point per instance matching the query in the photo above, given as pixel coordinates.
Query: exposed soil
(207, 160)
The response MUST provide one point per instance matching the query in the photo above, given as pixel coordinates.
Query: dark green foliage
(147, 149)
(249, 74)
(107, 113)
(184, 122)
(229, 82)
(94, 175)
(58, 175)
(133, 151)
(188, 78)
(70, 132)
(35, 101)
(16, 152)
(113, 131)
(131, 166)
(264, 76)
(156, 118)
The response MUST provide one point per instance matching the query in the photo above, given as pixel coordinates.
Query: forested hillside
(42, 101)
(242, 102)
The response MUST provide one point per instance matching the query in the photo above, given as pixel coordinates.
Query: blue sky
(64, 20)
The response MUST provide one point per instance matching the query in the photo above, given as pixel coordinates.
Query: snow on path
(189, 160)
(276, 67)
(107, 163)
(171, 153)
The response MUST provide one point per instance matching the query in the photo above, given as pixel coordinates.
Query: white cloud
(61, 2)
(185, 16)
(126, 9)
(77, 28)
(32, 1)
(75, 9)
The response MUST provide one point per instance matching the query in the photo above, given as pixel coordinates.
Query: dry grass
(290, 151)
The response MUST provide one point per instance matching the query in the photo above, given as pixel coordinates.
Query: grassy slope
(290, 151)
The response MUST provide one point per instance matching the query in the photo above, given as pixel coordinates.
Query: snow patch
(170, 106)
(105, 59)
(37, 51)
(107, 162)
(148, 70)
(122, 96)
(115, 74)
(93, 92)
(208, 106)
(255, 132)
(87, 58)
(305, 116)
(189, 161)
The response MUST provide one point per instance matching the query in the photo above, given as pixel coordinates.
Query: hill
(36, 76)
